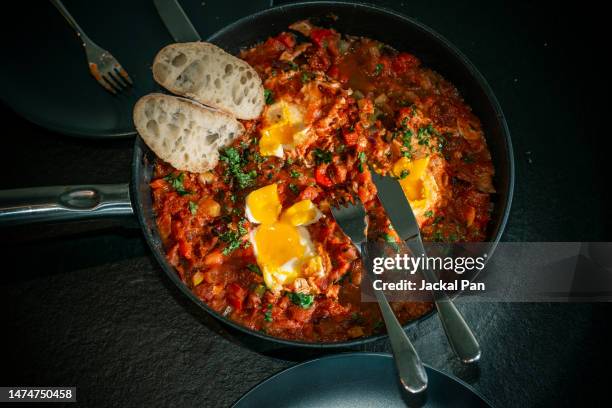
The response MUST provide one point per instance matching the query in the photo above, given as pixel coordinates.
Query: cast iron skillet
(405, 34)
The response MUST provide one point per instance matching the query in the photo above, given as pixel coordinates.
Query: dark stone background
(85, 304)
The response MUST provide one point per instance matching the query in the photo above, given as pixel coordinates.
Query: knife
(399, 212)
(176, 21)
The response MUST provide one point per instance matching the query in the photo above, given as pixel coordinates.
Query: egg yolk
(301, 213)
(277, 244)
(413, 183)
(283, 122)
(282, 244)
(264, 204)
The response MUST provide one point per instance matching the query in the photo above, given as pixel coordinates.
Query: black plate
(46, 78)
(355, 380)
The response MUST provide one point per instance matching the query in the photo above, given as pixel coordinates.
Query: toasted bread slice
(205, 73)
(184, 133)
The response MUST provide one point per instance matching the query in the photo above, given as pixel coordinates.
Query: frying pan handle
(64, 203)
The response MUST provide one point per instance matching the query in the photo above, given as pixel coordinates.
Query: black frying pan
(405, 34)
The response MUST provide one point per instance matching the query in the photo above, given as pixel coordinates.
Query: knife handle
(459, 334)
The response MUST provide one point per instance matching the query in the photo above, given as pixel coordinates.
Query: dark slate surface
(86, 305)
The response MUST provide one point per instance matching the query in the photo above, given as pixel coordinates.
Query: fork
(103, 66)
(351, 219)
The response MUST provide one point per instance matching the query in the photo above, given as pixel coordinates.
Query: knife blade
(396, 205)
(176, 21)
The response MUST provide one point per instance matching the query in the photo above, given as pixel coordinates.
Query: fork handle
(80, 33)
(409, 366)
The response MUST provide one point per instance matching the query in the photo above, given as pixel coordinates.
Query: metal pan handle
(64, 203)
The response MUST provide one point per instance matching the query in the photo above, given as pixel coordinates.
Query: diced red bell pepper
(287, 39)
(320, 35)
(403, 62)
(321, 176)
(350, 138)
(158, 183)
(185, 248)
(235, 295)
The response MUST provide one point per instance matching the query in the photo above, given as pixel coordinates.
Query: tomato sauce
(367, 106)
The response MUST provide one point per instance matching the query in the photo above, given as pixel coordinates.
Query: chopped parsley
(438, 220)
(258, 158)
(406, 138)
(306, 76)
(379, 326)
(405, 173)
(378, 69)
(437, 236)
(358, 318)
(425, 133)
(254, 268)
(292, 66)
(428, 213)
(269, 96)
(302, 300)
(259, 290)
(234, 164)
(295, 173)
(268, 314)
(177, 183)
(322, 156)
(193, 207)
(361, 156)
(233, 238)
(391, 241)
(294, 188)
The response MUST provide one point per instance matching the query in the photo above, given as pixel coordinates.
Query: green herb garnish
(306, 76)
(361, 156)
(254, 268)
(302, 300)
(391, 241)
(407, 138)
(268, 314)
(322, 156)
(428, 213)
(379, 326)
(295, 173)
(269, 96)
(425, 133)
(233, 238)
(378, 69)
(405, 173)
(234, 164)
(294, 188)
(193, 207)
(177, 183)
(259, 290)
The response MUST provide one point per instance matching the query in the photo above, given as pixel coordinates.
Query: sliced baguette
(184, 133)
(209, 75)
